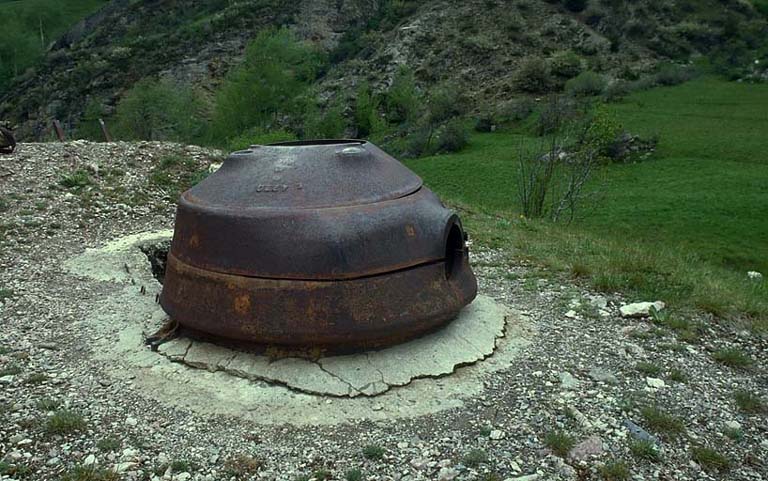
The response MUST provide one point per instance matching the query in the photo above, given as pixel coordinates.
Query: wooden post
(104, 131)
(59, 131)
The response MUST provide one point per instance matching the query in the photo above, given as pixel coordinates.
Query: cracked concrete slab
(452, 365)
(469, 338)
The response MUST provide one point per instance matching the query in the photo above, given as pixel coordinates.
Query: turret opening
(454, 251)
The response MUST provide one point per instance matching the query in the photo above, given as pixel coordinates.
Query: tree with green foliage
(160, 110)
(328, 124)
(268, 84)
(403, 98)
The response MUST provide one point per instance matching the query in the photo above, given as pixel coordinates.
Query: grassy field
(684, 226)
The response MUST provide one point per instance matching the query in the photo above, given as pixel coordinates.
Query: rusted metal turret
(329, 244)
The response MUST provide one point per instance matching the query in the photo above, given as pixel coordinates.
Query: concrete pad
(468, 339)
(424, 376)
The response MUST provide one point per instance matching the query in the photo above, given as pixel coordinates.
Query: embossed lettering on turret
(272, 188)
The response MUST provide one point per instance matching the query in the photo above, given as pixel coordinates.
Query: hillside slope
(478, 44)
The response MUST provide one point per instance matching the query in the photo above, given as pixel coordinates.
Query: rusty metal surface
(354, 314)
(328, 243)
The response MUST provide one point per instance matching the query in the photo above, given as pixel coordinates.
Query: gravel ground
(573, 406)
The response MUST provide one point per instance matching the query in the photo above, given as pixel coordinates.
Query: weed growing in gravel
(10, 370)
(64, 422)
(749, 403)
(373, 452)
(474, 458)
(321, 474)
(4, 350)
(242, 467)
(48, 404)
(615, 471)
(732, 357)
(81, 473)
(353, 475)
(36, 378)
(5, 294)
(14, 470)
(76, 181)
(643, 449)
(559, 443)
(677, 375)
(485, 431)
(648, 368)
(110, 443)
(180, 465)
(662, 422)
(735, 434)
(709, 459)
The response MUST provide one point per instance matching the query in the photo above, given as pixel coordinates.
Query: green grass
(710, 460)
(732, 357)
(615, 471)
(373, 451)
(661, 422)
(642, 449)
(65, 422)
(749, 403)
(474, 458)
(559, 443)
(684, 226)
(89, 473)
(648, 368)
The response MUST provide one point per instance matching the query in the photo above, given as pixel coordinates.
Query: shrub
(532, 76)
(673, 75)
(616, 91)
(709, 459)
(559, 443)
(556, 112)
(373, 452)
(452, 137)
(329, 124)
(475, 458)
(615, 471)
(484, 123)
(276, 71)
(366, 111)
(586, 84)
(64, 422)
(517, 109)
(749, 403)
(662, 422)
(159, 110)
(402, 97)
(732, 357)
(565, 64)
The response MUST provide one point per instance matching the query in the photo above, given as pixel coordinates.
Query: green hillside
(29, 26)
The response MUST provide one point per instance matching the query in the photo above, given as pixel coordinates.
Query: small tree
(276, 71)
(160, 110)
(403, 99)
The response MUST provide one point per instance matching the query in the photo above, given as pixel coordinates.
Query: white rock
(183, 476)
(90, 460)
(640, 309)
(735, 425)
(567, 381)
(599, 302)
(131, 421)
(447, 474)
(654, 382)
(571, 314)
(497, 434)
(754, 275)
(123, 467)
